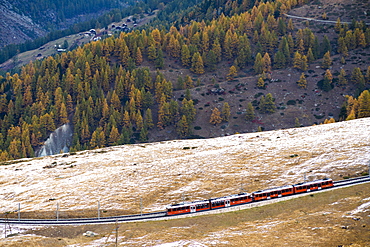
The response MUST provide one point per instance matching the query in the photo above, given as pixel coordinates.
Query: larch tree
(232, 73)
(302, 82)
(197, 65)
(364, 104)
(185, 56)
(328, 79)
(215, 116)
(326, 63)
(266, 61)
(261, 83)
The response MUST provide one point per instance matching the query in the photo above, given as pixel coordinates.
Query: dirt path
(322, 21)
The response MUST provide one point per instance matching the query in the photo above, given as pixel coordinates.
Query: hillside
(27, 20)
(168, 172)
(244, 71)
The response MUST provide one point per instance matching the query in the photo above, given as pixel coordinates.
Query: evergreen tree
(225, 112)
(143, 134)
(258, 64)
(267, 104)
(183, 129)
(358, 78)
(249, 116)
(342, 78)
(148, 119)
(159, 61)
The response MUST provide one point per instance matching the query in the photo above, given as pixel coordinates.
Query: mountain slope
(16, 28)
(161, 172)
(169, 172)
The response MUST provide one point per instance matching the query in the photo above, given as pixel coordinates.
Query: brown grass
(313, 220)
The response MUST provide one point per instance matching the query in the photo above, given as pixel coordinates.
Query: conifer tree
(183, 129)
(185, 56)
(279, 60)
(215, 116)
(364, 104)
(113, 136)
(342, 78)
(159, 61)
(197, 65)
(249, 114)
(297, 60)
(367, 77)
(269, 103)
(261, 83)
(326, 63)
(152, 52)
(225, 112)
(143, 137)
(139, 57)
(148, 119)
(310, 56)
(188, 110)
(232, 73)
(302, 83)
(258, 64)
(266, 61)
(358, 78)
(328, 79)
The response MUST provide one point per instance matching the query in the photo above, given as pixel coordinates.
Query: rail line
(162, 214)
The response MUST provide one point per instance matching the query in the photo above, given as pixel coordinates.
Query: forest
(104, 90)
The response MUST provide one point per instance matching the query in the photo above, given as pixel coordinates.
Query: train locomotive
(243, 198)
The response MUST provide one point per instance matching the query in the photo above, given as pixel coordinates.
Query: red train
(242, 198)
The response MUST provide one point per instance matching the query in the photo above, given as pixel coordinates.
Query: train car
(240, 199)
(273, 193)
(188, 207)
(220, 202)
(313, 185)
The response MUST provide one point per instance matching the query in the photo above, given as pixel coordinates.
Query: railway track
(155, 215)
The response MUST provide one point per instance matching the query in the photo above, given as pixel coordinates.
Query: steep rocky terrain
(16, 28)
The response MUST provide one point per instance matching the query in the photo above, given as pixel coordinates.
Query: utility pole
(57, 211)
(141, 206)
(98, 209)
(19, 211)
(117, 233)
(305, 177)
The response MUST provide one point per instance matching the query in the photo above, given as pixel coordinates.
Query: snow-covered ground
(166, 172)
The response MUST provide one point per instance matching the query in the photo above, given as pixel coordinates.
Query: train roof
(274, 189)
(184, 204)
(230, 197)
(314, 182)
